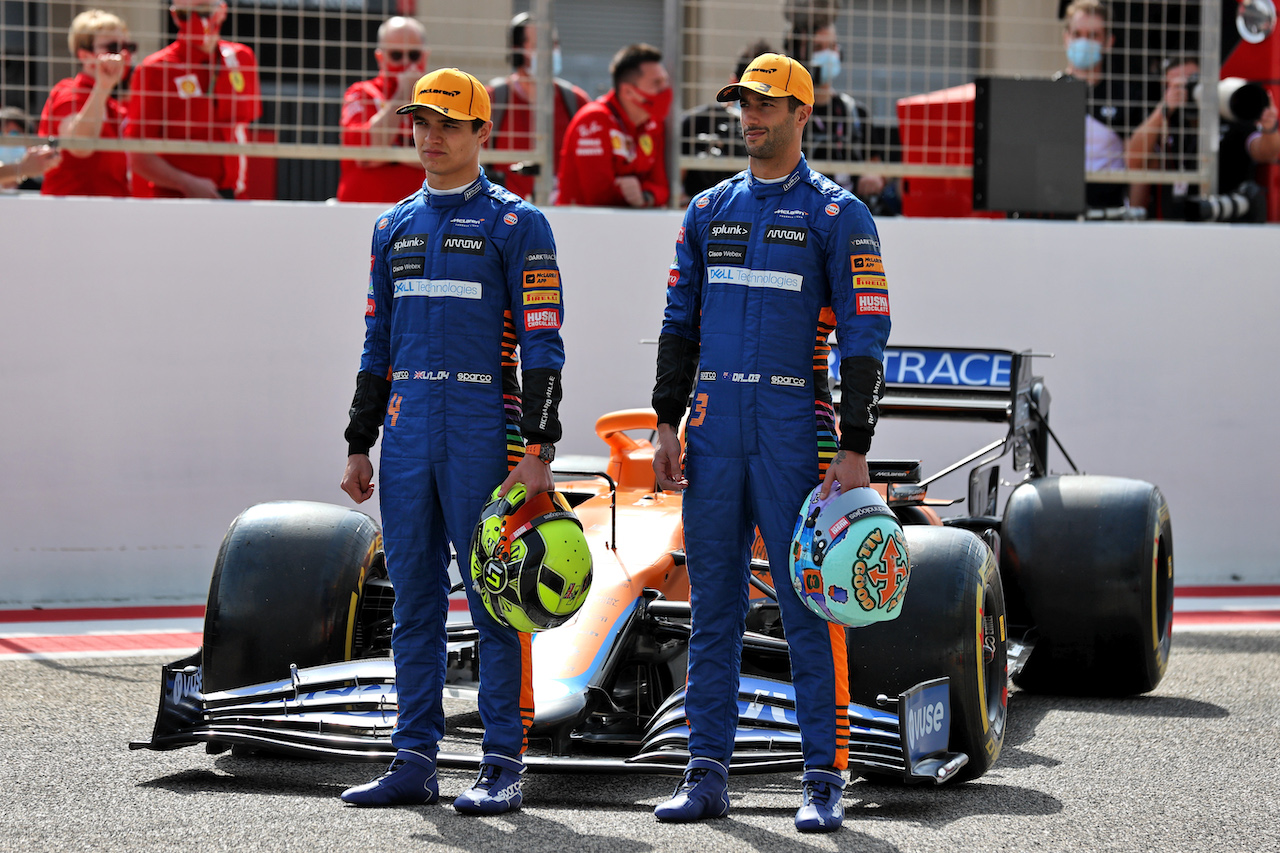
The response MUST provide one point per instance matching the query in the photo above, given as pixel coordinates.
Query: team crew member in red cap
(200, 89)
(614, 149)
(369, 116)
(460, 272)
(759, 258)
(82, 107)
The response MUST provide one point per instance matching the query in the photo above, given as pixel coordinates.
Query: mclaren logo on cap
(450, 93)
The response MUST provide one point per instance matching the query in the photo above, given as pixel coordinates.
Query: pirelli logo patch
(541, 278)
(877, 282)
(541, 318)
(873, 303)
(542, 297)
(866, 263)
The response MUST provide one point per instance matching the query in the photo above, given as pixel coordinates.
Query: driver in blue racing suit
(758, 259)
(460, 272)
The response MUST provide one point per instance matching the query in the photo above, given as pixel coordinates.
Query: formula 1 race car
(1068, 590)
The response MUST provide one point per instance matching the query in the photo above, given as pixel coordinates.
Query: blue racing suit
(756, 263)
(456, 280)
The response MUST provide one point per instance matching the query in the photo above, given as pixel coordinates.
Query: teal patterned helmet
(849, 561)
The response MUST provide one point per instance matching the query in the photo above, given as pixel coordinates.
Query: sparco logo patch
(409, 243)
(793, 381)
(475, 378)
(726, 253)
(464, 244)
(707, 376)
(730, 230)
(400, 374)
(789, 236)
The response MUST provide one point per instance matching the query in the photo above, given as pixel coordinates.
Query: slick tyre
(952, 623)
(286, 590)
(1092, 561)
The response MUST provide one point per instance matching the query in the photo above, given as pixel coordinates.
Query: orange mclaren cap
(452, 93)
(774, 76)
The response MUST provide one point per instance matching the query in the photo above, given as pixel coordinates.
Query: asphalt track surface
(1193, 766)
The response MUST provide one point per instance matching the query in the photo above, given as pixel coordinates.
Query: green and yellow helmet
(530, 563)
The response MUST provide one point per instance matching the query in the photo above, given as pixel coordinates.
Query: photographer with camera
(1248, 136)
(1167, 140)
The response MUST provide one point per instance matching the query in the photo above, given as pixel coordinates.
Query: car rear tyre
(286, 590)
(1092, 559)
(952, 623)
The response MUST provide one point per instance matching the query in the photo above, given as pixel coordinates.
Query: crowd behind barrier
(248, 102)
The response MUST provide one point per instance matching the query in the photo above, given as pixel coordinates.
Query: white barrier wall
(167, 364)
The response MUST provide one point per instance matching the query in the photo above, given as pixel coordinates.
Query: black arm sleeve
(677, 362)
(540, 405)
(861, 386)
(368, 408)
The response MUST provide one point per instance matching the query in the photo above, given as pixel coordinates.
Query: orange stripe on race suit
(526, 688)
(840, 670)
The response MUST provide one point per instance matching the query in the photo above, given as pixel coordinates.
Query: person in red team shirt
(200, 88)
(369, 116)
(81, 107)
(513, 98)
(614, 149)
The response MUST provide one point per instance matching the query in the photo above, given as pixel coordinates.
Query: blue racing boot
(822, 810)
(497, 788)
(409, 781)
(703, 793)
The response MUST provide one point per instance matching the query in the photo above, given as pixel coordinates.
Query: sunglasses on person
(119, 47)
(398, 56)
(201, 11)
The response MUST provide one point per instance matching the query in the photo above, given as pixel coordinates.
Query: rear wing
(974, 384)
(955, 384)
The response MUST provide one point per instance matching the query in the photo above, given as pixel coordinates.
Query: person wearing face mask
(615, 148)
(1113, 109)
(13, 158)
(513, 98)
(369, 116)
(82, 107)
(714, 131)
(837, 129)
(200, 88)
(19, 164)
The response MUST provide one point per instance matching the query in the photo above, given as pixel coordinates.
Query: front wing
(347, 711)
